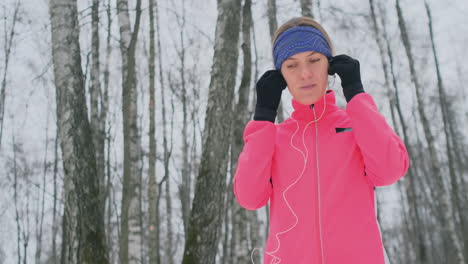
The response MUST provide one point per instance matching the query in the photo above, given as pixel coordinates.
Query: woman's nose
(306, 73)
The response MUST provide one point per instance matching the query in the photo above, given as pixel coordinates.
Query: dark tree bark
(306, 8)
(273, 25)
(98, 107)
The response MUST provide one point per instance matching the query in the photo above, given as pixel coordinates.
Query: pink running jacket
(319, 178)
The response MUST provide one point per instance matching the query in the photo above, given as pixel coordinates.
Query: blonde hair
(302, 21)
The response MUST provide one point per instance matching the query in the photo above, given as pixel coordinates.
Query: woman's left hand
(349, 71)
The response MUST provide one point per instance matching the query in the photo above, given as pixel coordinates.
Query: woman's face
(306, 74)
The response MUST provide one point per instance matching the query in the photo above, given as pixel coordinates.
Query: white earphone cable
(277, 260)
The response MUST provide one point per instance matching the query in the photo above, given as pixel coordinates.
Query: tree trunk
(97, 107)
(240, 217)
(450, 236)
(40, 208)
(153, 191)
(106, 137)
(306, 8)
(170, 235)
(168, 146)
(452, 145)
(54, 210)
(409, 185)
(8, 45)
(78, 152)
(206, 215)
(130, 247)
(26, 229)
(273, 25)
(184, 187)
(15, 199)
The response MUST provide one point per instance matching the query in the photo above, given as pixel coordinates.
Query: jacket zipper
(318, 183)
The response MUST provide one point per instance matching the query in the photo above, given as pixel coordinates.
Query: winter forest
(121, 122)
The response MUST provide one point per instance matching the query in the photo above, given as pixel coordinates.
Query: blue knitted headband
(299, 39)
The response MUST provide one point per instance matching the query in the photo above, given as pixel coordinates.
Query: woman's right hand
(269, 88)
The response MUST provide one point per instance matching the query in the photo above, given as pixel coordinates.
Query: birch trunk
(130, 247)
(206, 215)
(106, 201)
(153, 190)
(78, 153)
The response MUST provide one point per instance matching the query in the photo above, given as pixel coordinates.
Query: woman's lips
(308, 87)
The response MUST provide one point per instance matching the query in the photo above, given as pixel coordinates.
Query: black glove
(269, 88)
(349, 72)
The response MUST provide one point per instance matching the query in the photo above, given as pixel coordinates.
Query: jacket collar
(305, 112)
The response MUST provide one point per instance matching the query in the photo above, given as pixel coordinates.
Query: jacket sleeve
(252, 186)
(384, 153)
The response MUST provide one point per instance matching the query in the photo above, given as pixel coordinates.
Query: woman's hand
(349, 71)
(269, 88)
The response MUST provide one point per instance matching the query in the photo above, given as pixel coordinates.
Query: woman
(318, 168)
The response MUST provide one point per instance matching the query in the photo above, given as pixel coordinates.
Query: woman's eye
(314, 60)
(290, 66)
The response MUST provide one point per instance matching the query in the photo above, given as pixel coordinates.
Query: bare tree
(306, 8)
(8, 36)
(104, 130)
(416, 224)
(243, 237)
(453, 145)
(167, 146)
(21, 171)
(273, 25)
(54, 208)
(184, 187)
(41, 202)
(169, 244)
(130, 248)
(79, 162)
(450, 237)
(15, 199)
(206, 215)
(153, 188)
(98, 106)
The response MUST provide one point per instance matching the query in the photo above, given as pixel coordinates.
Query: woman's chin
(308, 100)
